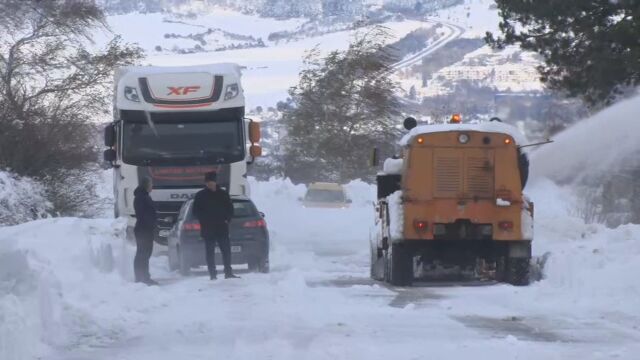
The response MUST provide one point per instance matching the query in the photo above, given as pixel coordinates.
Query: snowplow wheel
(518, 271)
(400, 269)
(501, 268)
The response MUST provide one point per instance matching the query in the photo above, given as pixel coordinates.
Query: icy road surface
(69, 302)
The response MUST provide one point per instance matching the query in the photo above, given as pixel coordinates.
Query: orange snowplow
(453, 205)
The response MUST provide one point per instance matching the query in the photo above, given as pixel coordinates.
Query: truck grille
(167, 213)
(463, 173)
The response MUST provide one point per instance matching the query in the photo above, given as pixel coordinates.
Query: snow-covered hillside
(272, 66)
(272, 70)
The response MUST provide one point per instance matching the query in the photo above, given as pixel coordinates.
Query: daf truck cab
(174, 124)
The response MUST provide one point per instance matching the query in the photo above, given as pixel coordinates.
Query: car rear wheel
(261, 265)
(184, 264)
(174, 263)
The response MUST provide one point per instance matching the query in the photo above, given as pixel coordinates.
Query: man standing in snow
(144, 230)
(213, 209)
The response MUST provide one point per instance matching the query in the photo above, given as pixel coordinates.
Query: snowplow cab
(455, 201)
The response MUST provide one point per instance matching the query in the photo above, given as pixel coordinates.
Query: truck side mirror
(254, 132)
(109, 135)
(375, 157)
(109, 156)
(410, 123)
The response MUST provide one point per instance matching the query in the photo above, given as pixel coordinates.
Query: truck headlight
(131, 94)
(232, 91)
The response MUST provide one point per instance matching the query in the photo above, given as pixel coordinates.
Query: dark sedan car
(248, 234)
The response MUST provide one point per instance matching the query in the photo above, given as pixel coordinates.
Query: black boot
(151, 282)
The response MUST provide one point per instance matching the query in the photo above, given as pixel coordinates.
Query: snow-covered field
(62, 296)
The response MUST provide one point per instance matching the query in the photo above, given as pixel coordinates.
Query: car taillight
(191, 226)
(420, 225)
(255, 224)
(505, 225)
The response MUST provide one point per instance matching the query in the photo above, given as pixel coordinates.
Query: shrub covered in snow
(21, 199)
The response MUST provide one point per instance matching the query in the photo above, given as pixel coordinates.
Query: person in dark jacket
(144, 230)
(213, 209)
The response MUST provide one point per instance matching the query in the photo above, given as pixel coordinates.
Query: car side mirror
(261, 213)
(349, 201)
(109, 156)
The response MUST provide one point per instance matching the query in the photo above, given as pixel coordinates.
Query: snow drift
(21, 199)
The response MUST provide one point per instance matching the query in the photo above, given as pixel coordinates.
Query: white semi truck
(174, 124)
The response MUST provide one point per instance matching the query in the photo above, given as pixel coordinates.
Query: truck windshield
(180, 140)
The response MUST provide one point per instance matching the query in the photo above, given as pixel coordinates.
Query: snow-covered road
(318, 302)
(450, 32)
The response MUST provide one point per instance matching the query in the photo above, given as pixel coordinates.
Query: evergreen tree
(590, 48)
(342, 108)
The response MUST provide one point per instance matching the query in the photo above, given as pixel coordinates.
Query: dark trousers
(144, 249)
(225, 248)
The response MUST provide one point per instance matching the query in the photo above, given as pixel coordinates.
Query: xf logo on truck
(182, 90)
(182, 196)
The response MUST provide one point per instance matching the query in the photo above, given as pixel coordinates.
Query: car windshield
(177, 138)
(323, 195)
(243, 209)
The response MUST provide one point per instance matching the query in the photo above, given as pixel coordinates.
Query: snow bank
(54, 274)
(21, 199)
(590, 266)
(607, 141)
(492, 127)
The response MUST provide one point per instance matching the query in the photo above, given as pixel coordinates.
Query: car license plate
(234, 249)
(164, 233)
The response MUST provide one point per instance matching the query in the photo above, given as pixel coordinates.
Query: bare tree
(343, 106)
(54, 86)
